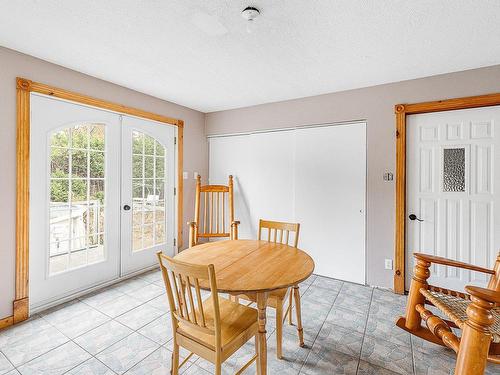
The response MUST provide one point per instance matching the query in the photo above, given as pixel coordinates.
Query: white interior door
(74, 198)
(315, 176)
(148, 182)
(452, 191)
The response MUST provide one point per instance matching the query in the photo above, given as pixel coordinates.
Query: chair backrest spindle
(185, 306)
(216, 215)
(279, 232)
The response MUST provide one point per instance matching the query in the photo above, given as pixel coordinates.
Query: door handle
(414, 217)
(126, 207)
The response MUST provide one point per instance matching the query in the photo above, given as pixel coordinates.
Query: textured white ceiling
(198, 53)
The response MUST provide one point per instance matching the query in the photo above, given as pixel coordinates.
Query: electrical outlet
(388, 264)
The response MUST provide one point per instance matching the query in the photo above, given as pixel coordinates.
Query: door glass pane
(454, 169)
(148, 191)
(77, 197)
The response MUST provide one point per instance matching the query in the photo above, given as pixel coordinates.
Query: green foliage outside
(88, 161)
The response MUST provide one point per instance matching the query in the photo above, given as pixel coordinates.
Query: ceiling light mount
(250, 13)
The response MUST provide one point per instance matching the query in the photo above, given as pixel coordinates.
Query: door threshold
(83, 292)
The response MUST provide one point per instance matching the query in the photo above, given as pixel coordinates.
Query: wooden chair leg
(300, 331)
(290, 307)
(421, 274)
(476, 338)
(257, 361)
(279, 329)
(175, 359)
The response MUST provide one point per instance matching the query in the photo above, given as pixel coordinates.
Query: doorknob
(414, 217)
(126, 207)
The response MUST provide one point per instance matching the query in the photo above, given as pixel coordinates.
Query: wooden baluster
(419, 280)
(211, 220)
(223, 212)
(287, 236)
(476, 337)
(217, 216)
(269, 235)
(205, 213)
(281, 236)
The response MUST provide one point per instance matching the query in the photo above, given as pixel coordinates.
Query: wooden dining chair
(476, 313)
(213, 328)
(280, 232)
(217, 220)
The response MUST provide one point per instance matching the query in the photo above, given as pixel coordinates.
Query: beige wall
(376, 105)
(13, 64)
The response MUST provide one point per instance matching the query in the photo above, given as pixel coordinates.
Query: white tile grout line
(322, 324)
(41, 316)
(364, 331)
(162, 316)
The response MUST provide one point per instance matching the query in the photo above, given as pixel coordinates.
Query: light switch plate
(388, 264)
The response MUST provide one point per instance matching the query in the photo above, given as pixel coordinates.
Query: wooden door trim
(24, 87)
(401, 111)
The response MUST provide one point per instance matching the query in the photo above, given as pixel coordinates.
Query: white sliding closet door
(330, 186)
(315, 176)
(231, 155)
(273, 176)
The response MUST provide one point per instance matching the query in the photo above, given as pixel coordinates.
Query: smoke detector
(250, 13)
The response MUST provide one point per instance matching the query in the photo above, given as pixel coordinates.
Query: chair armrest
(484, 294)
(451, 263)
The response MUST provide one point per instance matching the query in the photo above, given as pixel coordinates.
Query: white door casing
(452, 185)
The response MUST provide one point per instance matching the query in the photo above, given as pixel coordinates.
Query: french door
(453, 205)
(101, 196)
(148, 172)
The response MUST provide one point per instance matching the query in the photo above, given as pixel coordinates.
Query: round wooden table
(253, 267)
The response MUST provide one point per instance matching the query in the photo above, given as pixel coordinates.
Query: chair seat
(235, 319)
(455, 307)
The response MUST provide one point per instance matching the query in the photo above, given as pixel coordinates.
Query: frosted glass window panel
(454, 169)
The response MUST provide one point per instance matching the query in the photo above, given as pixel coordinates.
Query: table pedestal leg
(261, 336)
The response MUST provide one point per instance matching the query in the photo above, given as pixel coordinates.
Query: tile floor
(125, 329)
